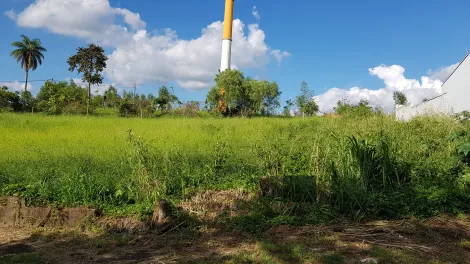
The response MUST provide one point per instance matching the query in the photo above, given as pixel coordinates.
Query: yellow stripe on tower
(228, 20)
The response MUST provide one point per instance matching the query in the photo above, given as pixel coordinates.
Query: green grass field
(365, 167)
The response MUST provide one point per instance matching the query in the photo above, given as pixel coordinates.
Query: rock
(161, 213)
(369, 261)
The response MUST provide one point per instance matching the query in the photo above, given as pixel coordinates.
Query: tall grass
(370, 167)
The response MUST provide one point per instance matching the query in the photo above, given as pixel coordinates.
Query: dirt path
(438, 240)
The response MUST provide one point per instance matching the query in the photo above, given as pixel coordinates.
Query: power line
(25, 81)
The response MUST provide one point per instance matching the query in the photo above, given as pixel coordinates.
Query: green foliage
(464, 117)
(127, 108)
(27, 101)
(243, 96)
(462, 139)
(28, 53)
(360, 110)
(90, 62)
(190, 109)
(363, 168)
(54, 98)
(305, 102)
(287, 108)
(9, 101)
(111, 97)
(400, 98)
(165, 100)
(97, 101)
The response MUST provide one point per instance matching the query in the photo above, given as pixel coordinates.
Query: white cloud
(11, 14)
(140, 56)
(255, 13)
(279, 55)
(95, 89)
(90, 19)
(191, 63)
(16, 86)
(132, 19)
(443, 73)
(394, 80)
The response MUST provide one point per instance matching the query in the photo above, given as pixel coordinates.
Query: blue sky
(331, 43)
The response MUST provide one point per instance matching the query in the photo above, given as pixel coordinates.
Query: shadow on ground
(438, 240)
(235, 227)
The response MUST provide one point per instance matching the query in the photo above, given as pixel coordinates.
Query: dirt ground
(437, 240)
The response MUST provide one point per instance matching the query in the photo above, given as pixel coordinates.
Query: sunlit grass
(74, 160)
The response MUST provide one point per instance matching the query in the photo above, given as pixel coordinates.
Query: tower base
(226, 54)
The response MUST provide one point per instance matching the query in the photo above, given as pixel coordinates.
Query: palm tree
(28, 53)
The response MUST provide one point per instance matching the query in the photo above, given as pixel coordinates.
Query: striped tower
(227, 38)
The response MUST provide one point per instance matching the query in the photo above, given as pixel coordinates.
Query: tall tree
(90, 62)
(28, 54)
(111, 96)
(165, 99)
(305, 101)
(288, 107)
(400, 98)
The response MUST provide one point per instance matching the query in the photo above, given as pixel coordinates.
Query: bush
(190, 109)
(126, 108)
(76, 108)
(54, 97)
(360, 110)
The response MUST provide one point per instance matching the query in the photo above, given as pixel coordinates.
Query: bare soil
(436, 240)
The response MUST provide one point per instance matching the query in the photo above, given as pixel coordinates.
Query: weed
(364, 168)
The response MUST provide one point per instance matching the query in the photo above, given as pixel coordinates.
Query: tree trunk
(89, 98)
(26, 83)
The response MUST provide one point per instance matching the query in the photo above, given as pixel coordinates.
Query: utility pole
(227, 36)
(135, 88)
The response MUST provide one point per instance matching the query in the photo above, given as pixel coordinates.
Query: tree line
(233, 93)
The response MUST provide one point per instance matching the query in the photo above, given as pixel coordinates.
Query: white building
(455, 97)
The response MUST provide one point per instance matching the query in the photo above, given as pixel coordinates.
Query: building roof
(467, 56)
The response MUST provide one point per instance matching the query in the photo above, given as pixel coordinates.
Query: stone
(369, 261)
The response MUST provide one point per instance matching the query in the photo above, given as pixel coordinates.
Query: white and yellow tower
(227, 37)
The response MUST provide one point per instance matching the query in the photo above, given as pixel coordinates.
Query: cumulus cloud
(191, 63)
(93, 20)
(279, 56)
(95, 89)
(443, 73)
(11, 14)
(16, 86)
(140, 56)
(255, 13)
(394, 79)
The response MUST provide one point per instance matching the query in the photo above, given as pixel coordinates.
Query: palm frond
(41, 49)
(16, 53)
(25, 38)
(28, 54)
(18, 44)
(33, 64)
(38, 57)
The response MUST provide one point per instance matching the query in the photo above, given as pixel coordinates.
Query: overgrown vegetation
(368, 168)
(235, 95)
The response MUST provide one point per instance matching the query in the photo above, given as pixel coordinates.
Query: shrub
(126, 108)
